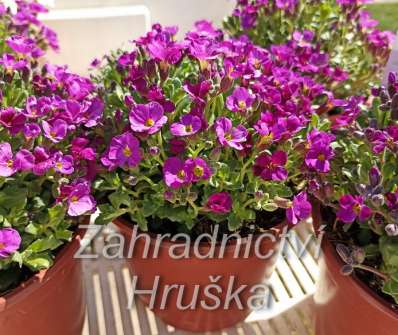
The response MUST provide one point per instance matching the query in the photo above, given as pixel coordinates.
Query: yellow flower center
(257, 64)
(228, 137)
(74, 198)
(2, 246)
(188, 128)
(181, 174)
(357, 208)
(10, 163)
(198, 171)
(127, 152)
(242, 104)
(53, 133)
(321, 157)
(149, 122)
(266, 139)
(59, 165)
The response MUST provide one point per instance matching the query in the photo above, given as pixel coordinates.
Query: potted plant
(334, 41)
(45, 155)
(199, 136)
(358, 286)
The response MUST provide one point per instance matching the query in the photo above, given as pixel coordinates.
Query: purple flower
(81, 150)
(198, 91)
(286, 5)
(21, 44)
(124, 150)
(177, 146)
(219, 203)
(56, 130)
(188, 125)
(271, 167)
(31, 130)
(10, 241)
(199, 169)
(176, 173)
(318, 157)
(7, 164)
(230, 136)
(147, 118)
(24, 160)
(79, 200)
(12, 120)
(10, 63)
(43, 161)
(240, 100)
(63, 163)
(300, 209)
(352, 207)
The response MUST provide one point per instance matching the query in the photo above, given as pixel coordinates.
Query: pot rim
(36, 281)
(331, 256)
(126, 225)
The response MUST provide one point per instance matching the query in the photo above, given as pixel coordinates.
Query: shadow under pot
(197, 310)
(52, 302)
(344, 305)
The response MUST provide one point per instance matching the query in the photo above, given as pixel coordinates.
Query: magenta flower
(352, 207)
(300, 209)
(24, 160)
(199, 169)
(198, 91)
(63, 163)
(81, 150)
(392, 200)
(188, 125)
(176, 173)
(10, 63)
(177, 146)
(271, 167)
(56, 130)
(230, 136)
(10, 241)
(7, 164)
(43, 161)
(219, 203)
(12, 120)
(240, 100)
(31, 130)
(79, 200)
(21, 44)
(123, 151)
(166, 51)
(318, 157)
(147, 118)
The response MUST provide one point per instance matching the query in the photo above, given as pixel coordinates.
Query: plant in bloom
(207, 130)
(361, 189)
(47, 153)
(335, 42)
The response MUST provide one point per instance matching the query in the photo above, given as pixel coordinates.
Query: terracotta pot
(345, 305)
(50, 303)
(193, 271)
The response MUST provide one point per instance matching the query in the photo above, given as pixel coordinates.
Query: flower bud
(374, 176)
(360, 188)
(392, 229)
(377, 200)
(131, 180)
(154, 151)
(359, 134)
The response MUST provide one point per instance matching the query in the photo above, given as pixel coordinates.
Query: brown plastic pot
(345, 305)
(193, 271)
(50, 303)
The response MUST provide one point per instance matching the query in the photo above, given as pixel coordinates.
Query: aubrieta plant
(207, 131)
(45, 154)
(334, 41)
(362, 188)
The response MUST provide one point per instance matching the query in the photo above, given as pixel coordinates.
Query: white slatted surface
(292, 285)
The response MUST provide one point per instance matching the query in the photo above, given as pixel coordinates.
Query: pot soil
(345, 305)
(193, 271)
(50, 303)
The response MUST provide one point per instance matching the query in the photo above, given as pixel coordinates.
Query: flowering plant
(45, 153)
(335, 41)
(362, 188)
(206, 131)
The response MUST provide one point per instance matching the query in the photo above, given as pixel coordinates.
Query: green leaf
(13, 197)
(44, 244)
(234, 222)
(56, 215)
(120, 198)
(39, 262)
